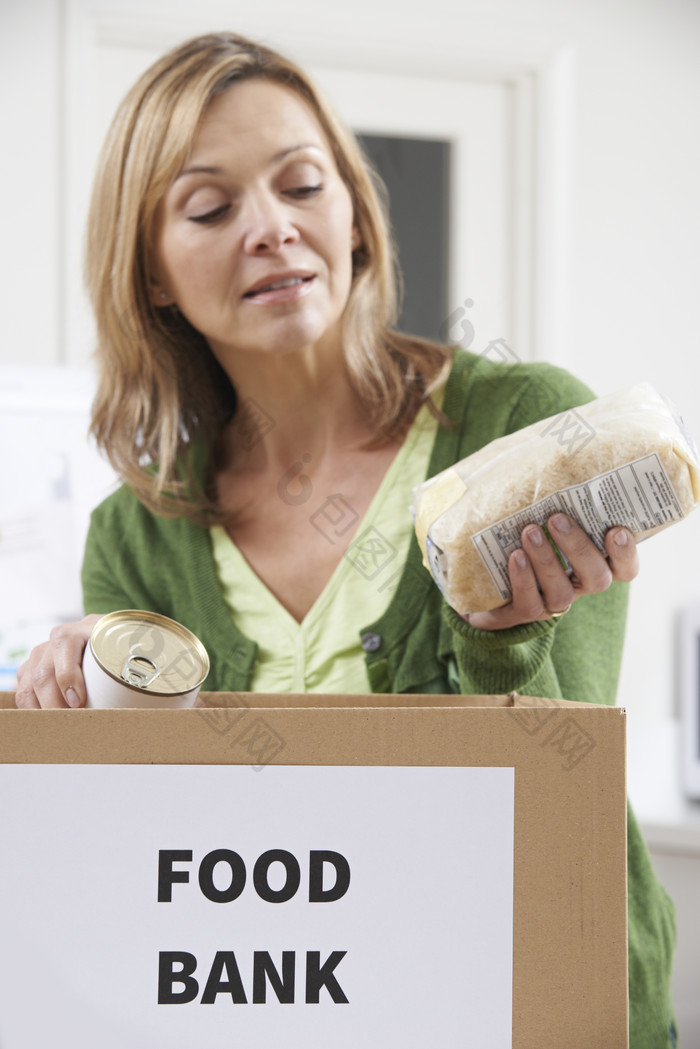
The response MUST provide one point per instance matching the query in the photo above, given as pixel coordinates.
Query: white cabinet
(670, 824)
(679, 872)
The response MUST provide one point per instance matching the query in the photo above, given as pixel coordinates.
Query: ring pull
(139, 670)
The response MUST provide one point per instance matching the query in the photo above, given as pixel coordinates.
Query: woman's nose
(268, 226)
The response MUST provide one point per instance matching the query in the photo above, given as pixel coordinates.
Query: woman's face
(254, 239)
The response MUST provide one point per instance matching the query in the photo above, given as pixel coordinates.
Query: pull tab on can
(138, 670)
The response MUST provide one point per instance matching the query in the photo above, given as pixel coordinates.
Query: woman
(269, 426)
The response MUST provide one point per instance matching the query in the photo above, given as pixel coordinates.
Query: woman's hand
(541, 587)
(53, 676)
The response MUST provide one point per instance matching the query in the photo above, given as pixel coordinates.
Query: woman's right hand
(52, 676)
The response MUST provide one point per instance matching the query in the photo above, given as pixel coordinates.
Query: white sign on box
(153, 905)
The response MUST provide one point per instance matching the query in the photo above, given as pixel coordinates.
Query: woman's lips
(285, 288)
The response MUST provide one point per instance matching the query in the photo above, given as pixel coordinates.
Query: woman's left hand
(542, 589)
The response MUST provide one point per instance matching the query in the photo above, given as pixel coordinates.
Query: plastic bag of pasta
(625, 459)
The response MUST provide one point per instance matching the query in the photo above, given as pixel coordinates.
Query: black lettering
(317, 894)
(167, 876)
(318, 976)
(167, 977)
(206, 876)
(264, 969)
(224, 961)
(260, 872)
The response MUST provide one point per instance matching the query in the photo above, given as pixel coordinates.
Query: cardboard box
(407, 781)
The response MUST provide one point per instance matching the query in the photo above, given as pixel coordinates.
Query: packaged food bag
(625, 459)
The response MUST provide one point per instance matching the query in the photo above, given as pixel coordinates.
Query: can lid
(149, 652)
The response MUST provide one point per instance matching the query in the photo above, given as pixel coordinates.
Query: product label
(637, 495)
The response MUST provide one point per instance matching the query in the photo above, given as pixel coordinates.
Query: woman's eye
(301, 192)
(210, 216)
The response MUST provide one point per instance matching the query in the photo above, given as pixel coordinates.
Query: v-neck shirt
(323, 652)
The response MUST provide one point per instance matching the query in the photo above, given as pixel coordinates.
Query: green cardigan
(135, 559)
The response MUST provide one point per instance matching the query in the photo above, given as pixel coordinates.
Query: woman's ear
(159, 296)
(356, 239)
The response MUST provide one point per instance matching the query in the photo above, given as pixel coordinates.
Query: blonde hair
(161, 394)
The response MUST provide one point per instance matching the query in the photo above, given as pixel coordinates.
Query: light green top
(323, 653)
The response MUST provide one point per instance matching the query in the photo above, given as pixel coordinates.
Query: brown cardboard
(570, 905)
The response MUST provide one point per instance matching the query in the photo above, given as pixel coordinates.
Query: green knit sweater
(135, 559)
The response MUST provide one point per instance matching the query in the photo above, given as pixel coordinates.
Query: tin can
(141, 659)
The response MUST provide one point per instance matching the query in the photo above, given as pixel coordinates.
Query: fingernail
(621, 538)
(561, 523)
(520, 559)
(72, 698)
(536, 536)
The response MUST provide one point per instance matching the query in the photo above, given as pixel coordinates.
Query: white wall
(630, 224)
(637, 271)
(29, 178)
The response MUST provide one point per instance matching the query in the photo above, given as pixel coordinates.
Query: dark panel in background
(417, 175)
